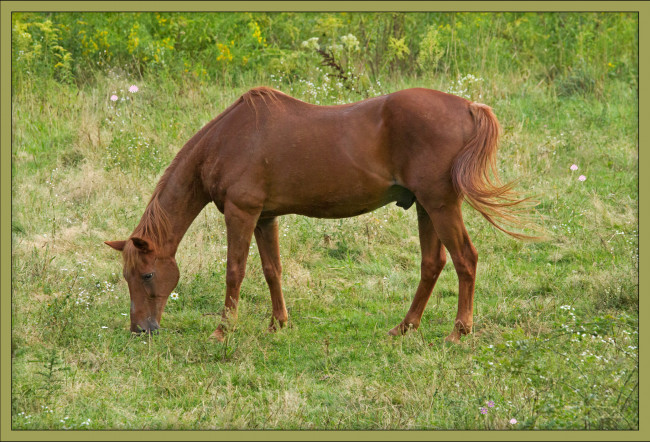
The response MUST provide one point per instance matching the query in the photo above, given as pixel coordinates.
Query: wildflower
(574, 167)
(174, 295)
(483, 410)
(582, 178)
(350, 42)
(133, 89)
(513, 421)
(113, 97)
(490, 404)
(312, 43)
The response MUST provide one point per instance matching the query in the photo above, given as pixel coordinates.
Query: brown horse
(269, 154)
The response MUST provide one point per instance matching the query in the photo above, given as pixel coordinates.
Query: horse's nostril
(146, 326)
(151, 327)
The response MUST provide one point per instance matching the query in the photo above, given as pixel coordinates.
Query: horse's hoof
(277, 324)
(454, 338)
(218, 335)
(401, 329)
(397, 331)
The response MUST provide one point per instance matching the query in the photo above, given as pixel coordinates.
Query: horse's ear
(142, 244)
(117, 245)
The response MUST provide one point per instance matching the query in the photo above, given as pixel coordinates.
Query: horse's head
(151, 277)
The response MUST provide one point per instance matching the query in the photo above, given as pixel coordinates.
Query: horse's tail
(471, 175)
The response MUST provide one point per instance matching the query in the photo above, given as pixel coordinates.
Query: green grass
(556, 322)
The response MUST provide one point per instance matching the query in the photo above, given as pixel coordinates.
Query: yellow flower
(257, 32)
(224, 52)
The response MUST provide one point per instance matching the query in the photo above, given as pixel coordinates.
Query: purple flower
(574, 167)
(113, 97)
(133, 89)
(483, 410)
(513, 421)
(582, 178)
(490, 404)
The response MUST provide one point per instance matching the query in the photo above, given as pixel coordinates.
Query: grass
(556, 322)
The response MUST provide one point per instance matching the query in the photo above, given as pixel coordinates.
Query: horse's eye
(147, 276)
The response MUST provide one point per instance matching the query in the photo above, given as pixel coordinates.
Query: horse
(269, 154)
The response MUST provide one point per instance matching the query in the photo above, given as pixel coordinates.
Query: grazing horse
(269, 154)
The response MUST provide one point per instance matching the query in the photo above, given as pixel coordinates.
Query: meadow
(101, 102)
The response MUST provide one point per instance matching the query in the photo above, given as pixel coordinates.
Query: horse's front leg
(240, 224)
(266, 234)
(433, 260)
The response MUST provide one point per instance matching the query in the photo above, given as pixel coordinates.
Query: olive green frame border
(7, 7)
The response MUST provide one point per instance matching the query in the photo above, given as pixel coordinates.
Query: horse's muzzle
(147, 326)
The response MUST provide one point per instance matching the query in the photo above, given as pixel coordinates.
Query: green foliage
(430, 50)
(37, 52)
(578, 51)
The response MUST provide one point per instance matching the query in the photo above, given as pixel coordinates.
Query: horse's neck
(181, 197)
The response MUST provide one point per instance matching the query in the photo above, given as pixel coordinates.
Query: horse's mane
(154, 226)
(267, 94)
(262, 92)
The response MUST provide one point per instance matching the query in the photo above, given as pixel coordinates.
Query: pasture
(101, 103)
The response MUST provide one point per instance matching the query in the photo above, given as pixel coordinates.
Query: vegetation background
(556, 323)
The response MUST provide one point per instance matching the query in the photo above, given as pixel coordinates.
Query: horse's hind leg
(266, 234)
(239, 230)
(433, 261)
(448, 223)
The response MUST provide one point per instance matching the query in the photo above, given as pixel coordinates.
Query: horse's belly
(342, 203)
